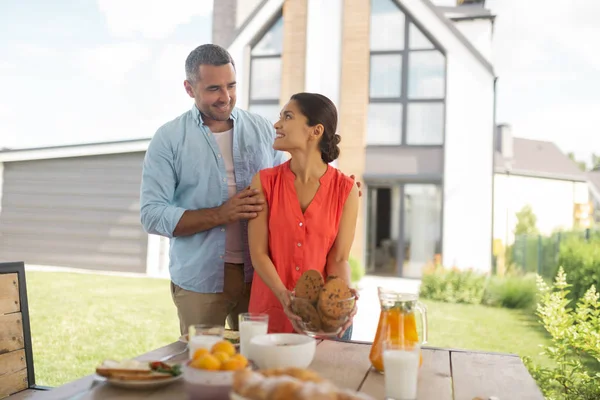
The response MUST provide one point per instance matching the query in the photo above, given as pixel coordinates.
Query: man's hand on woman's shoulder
(244, 205)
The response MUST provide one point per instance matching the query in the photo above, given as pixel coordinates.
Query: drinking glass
(251, 325)
(401, 363)
(203, 336)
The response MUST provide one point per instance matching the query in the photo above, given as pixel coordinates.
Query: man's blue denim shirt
(184, 170)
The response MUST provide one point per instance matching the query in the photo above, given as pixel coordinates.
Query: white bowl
(282, 350)
(201, 384)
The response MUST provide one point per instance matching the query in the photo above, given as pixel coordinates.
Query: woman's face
(293, 132)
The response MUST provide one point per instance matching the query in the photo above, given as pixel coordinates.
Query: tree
(581, 164)
(595, 162)
(526, 222)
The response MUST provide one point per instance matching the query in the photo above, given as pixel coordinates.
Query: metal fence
(539, 254)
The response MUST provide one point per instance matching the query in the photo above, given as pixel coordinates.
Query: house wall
(552, 202)
(1, 184)
(79, 212)
(479, 32)
(467, 204)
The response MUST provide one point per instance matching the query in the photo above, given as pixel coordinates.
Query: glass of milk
(401, 365)
(251, 325)
(202, 336)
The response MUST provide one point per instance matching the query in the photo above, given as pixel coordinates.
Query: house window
(265, 72)
(407, 81)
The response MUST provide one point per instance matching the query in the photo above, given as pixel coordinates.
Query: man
(195, 191)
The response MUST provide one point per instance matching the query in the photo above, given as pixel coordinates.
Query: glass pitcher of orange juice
(397, 323)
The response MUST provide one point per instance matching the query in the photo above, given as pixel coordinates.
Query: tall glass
(401, 363)
(251, 325)
(204, 336)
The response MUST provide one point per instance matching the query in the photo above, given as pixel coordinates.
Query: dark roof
(5, 150)
(471, 11)
(538, 159)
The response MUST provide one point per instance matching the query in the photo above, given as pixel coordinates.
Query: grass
(477, 327)
(78, 320)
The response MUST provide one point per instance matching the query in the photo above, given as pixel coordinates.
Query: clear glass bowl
(346, 304)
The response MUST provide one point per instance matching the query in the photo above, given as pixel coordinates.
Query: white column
(1, 184)
(324, 49)
(153, 256)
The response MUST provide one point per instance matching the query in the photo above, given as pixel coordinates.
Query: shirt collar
(198, 116)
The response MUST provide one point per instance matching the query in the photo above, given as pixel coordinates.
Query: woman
(310, 212)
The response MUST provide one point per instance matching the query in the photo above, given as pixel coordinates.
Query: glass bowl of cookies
(324, 306)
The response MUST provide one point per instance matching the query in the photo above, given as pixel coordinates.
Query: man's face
(214, 91)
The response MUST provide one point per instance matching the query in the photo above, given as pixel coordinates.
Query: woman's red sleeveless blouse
(297, 241)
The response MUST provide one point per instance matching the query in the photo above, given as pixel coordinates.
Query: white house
(538, 174)
(415, 89)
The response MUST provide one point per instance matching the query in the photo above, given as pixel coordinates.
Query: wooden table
(445, 375)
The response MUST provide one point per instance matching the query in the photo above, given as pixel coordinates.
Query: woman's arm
(337, 259)
(258, 240)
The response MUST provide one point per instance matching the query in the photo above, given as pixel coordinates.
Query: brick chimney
(503, 142)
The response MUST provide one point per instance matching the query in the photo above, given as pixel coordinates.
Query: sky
(94, 70)
(548, 67)
(99, 70)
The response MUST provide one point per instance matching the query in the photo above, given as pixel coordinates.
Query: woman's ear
(318, 131)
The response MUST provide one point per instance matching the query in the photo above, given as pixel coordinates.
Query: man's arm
(244, 205)
(158, 214)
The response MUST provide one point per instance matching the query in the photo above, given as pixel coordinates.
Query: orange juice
(397, 324)
(390, 329)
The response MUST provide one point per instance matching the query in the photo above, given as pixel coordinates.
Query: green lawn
(78, 320)
(476, 327)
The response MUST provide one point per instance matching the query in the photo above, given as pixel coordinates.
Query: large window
(265, 72)
(407, 81)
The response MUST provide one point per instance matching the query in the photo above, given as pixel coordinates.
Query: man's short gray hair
(208, 54)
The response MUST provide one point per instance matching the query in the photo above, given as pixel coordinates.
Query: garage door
(80, 212)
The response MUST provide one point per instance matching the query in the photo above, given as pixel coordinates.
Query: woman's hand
(285, 298)
(352, 313)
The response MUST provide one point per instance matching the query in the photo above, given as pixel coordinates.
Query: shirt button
(297, 268)
(220, 256)
(222, 229)
(219, 156)
(299, 244)
(300, 224)
(224, 179)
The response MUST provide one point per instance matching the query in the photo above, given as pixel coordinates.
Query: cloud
(571, 127)
(111, 63)
(548, 71)
(153, 19)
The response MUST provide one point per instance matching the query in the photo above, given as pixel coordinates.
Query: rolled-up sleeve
(158, 214)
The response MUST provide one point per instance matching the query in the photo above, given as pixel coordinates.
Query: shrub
(575, 348)
(516, 291)
(357, 271)
(581, 262)
(452, 285)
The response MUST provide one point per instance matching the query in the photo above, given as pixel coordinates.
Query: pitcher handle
(423, 311)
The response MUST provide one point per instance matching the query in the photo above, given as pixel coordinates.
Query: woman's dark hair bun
(318, 109)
